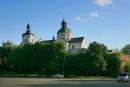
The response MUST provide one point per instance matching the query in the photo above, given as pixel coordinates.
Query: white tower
(64, 34)
(28, 37)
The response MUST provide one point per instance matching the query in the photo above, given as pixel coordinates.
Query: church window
(72, 46)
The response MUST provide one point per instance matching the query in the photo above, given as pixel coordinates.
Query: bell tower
(64, 34)
(28, 37)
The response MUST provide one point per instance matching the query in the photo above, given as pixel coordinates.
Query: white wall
(28, 39)
(75, 45)
(84, 43)
(62, 36)
(79, 45)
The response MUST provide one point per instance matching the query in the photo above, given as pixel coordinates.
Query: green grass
(44, 76)
(92, 77)
(22, 75)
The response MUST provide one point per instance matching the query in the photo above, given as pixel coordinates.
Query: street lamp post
(63, 71)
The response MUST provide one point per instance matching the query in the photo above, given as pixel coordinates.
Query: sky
(104, 21)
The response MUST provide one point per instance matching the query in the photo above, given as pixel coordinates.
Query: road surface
(47, 82)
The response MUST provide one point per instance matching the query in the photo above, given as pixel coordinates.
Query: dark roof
(62, 30)
(28, 31)
(28, 34)
(76, 40)
(48, 41)
(64, 27)
(110, 51)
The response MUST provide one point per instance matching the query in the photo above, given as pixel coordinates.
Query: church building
(64, 34)
(73, 45)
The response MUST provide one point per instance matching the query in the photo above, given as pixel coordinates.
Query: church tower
(28, 37)
(64, 34)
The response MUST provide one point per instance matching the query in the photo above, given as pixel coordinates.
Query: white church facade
(28, 36)
(73, 45)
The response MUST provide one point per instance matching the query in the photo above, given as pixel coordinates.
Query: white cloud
(78, 18)
(103, 2)
(94, 14)
(88, 16)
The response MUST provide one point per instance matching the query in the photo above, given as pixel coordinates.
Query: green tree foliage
(126, 49)
(8, 44)
(5, 50)
(127, 67)
(96, 60)
(113, 64)
(51, 58)
(90, 63)
(75, 64)
(36, 58)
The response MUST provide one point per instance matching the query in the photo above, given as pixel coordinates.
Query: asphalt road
(46, 82)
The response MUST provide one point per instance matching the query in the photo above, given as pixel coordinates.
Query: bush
(127, 67)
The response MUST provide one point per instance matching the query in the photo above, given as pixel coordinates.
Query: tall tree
(127, 67)
(126, 49)
(5, 50)
(113, 64)
(37, 58)
(96, 56)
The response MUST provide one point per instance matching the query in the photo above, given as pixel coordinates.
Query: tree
(90, 63)
(37, 58)
(5, 50)
(75, 64)
(126, 49)
(127, 67)
(113, 64)
(56, 53)
(96, 58)
(8, 44)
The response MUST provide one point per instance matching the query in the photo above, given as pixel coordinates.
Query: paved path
(46, 82)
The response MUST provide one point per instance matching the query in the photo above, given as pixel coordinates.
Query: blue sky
(104, 21)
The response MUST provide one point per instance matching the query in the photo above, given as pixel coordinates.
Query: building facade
(64, 35)
(73, 45)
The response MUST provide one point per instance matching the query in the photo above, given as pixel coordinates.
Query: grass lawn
(43, 76)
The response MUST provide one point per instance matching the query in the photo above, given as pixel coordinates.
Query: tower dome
(64, 27)
(64, 34)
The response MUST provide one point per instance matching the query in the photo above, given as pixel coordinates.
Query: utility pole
(63, 71)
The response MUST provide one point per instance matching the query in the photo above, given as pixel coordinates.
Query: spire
(28, 26)
(64, 27)
(53, 38)
(28, 31)
(64, 23)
